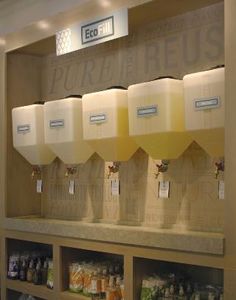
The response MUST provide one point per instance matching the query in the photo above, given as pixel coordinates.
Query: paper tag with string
(164, 189)
(71, 187)
(115, 187)
(39, 186)
(221, 190)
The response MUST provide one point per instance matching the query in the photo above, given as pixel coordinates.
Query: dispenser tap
(36, 172)
(114, 168)
(163, 167)
(220, 167)
(70, 170)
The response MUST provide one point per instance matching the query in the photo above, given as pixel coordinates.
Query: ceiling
(17, 14)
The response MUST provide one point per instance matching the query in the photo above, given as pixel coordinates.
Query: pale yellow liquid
(110, 139)
(162, 136)
(72, 152)
(211, 140)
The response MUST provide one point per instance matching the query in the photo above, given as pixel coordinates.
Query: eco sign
(97, 30)
(100, 30)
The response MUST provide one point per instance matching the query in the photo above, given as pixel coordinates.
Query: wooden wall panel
(23, 88)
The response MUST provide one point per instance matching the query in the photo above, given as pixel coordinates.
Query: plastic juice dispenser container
(105, 121)
(156, 117)
(205, 109)
(28, 134)
(64, 130)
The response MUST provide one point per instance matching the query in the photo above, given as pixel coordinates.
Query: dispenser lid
(73, 96)
(117, 87)
(164, 77)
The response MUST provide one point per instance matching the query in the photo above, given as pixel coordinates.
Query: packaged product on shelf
(95, 288)
(76, 277)
(88, 273)
(97, 280)
(178, 288)
(14, 266)
(50, 274)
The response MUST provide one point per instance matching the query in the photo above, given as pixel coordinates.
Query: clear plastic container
(156, 117)
(64, 130)
(105, 124)
(28, 134)
(205, 109)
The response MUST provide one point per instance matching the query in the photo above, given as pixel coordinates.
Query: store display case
(138, 222)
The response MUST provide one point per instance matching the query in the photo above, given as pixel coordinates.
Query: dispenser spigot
(163, 167)
(70, 171)
(114, 168)
(220, 167)
(36, 172)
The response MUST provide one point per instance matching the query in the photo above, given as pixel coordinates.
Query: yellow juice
(205, 109)
(156, 117)
(105, 124)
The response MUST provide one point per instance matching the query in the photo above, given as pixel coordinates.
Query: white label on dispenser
(147, 111)
(221, 190)
(56, 123)
(71, 187)
(22, 129)
(210, 103)
(115, 187)
(39, 186)
(164, 189)
(99, 118)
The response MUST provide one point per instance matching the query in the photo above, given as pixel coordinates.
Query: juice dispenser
(156, 117)
(64, 130)
(28, 134)
(205, 109)
(105, 124)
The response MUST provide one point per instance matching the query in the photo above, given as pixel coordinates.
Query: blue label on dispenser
(99, 118)
(22, 129)
(56, 123)
(208, 103)
(147, 111)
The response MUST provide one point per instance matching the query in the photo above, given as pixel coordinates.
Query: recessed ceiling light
(2, 42)
(105, 3)
(43, 25)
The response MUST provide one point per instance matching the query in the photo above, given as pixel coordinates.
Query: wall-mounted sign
(100, 30)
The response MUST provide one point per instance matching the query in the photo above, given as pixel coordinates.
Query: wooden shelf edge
(66, 295)
(29, 288)
(188, 241)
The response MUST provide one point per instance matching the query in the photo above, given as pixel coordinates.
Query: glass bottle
(30, 271)
(23, 271)
(44, 272)
(38, 274)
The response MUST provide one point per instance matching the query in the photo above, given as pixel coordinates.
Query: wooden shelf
(192, 241)
(70, 296)
(29, 288)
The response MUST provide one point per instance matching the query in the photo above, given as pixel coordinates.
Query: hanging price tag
(71, 187)
(221, 190)
(164, 189)
(39, 186)
(115, 187)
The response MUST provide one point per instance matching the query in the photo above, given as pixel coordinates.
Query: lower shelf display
(32, 264)
(157, 280)
(94, 275)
